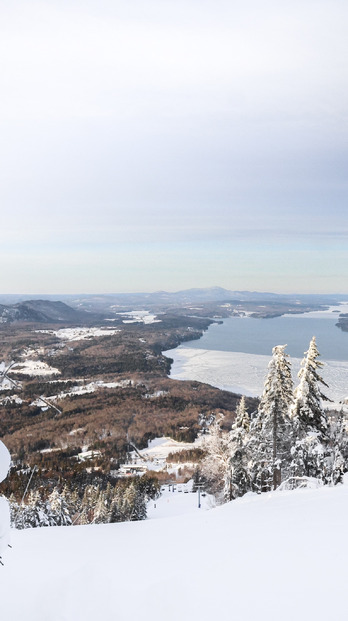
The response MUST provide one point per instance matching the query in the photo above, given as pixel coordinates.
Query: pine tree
(270, 431)
(14, 510)
(116, 508)
(311, 454)
(101, 511)
(73, 502)
(239, 454)
(36, 514)
(216, 465)
(308, 412)
(242, 417)
(88, 503)
(339, 438)
(31, 515)
(58, 504)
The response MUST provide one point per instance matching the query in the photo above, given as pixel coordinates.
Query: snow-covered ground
(245, 373)
(11, 399)
(89, 388)
(156, 395)
(181, 501)
(79, 334)
(155, 456)
(139, 317)
(5, 461)
(159, 448)
(337, 310)
(6, 384)
(33, 368)
(279, 556)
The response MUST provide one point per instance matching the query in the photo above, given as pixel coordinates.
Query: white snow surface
(278, 556)
(245, 373)
(4, 526)
(79, 334)
(6, 384)
(11, 399)
(5, 460)
(89, 388)
(159, 448)
(139, 317)
(155, 456)
(33, 367)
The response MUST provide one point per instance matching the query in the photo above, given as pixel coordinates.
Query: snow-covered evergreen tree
(102, 511)
(242, 417)
(308, 412)
(270, 432)
(339, 432)
(134, 506)
(239, 454)
(128, 504)
(34, 514)
(312, 454)
(36, 511)
(339, 441)
(88, 503)
(73, 502)
(59, 514)
(216, 465)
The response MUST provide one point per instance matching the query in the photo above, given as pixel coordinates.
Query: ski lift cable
(28, 484)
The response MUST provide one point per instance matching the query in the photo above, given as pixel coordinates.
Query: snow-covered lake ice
(234, 356)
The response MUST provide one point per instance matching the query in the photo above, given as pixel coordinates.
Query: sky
(168, 144)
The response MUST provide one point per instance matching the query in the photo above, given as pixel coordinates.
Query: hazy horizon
(61, 294)
(163, 146)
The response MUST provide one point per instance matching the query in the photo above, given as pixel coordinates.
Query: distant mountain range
(43, 311)
(93, 307)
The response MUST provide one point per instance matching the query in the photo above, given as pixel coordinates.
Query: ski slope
(280, 556)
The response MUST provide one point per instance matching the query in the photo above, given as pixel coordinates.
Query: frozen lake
(234, 355)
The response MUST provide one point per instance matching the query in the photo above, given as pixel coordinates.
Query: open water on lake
(234, 355)
(259, 336)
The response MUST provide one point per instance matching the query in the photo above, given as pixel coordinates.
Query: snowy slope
(5, 460)
(280, 556)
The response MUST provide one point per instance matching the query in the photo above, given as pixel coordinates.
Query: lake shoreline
(244, 372)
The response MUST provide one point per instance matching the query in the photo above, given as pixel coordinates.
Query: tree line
(96, 504)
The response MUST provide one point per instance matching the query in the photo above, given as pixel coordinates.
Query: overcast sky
(167, 144)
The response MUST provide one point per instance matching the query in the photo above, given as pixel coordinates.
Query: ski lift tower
(200, 488)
